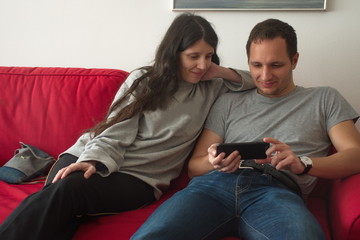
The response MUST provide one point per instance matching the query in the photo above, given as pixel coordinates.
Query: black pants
(57, 210)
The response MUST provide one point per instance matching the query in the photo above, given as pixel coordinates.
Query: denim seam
(255, 230)
(207, 235)
(238, 191)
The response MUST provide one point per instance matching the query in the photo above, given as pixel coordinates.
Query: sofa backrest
(51, 107)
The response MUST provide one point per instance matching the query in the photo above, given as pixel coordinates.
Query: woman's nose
(202, 63)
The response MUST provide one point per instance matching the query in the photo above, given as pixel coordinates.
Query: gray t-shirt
(300, 119)
(154, 145)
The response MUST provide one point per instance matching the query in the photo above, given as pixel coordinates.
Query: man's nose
(266, 74)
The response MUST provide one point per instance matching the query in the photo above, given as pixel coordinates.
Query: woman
(129, 159)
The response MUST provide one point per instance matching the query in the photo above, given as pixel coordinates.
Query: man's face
(271, 68)
(195, 61)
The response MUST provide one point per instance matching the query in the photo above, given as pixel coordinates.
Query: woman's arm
(216, 71)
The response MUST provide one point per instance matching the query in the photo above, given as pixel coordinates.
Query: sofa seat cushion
(11, 195)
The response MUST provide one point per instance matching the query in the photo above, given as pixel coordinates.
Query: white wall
(124, 34)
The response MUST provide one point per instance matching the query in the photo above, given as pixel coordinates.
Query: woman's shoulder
(135, 74)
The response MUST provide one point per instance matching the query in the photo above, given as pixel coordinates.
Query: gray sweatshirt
(154, 145)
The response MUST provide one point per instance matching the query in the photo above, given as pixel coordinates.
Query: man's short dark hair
(270, 29)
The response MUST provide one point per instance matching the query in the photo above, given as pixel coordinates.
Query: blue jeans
(247, 204)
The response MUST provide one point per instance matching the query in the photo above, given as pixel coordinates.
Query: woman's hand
(216, 71)
(228, 165)
(213, 72)
(87, 167)
(282, 157)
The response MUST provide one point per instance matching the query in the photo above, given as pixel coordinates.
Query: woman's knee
(64, 161)
(74, 182)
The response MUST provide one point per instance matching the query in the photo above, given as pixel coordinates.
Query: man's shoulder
(237, 94)
(320, 89)
(231, 98)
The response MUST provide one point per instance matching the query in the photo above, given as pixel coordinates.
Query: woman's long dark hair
(163, 76)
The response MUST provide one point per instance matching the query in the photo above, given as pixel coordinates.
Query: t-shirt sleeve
(215, 121)
(337, 108)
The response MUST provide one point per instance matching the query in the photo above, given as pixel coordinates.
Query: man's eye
(276, 65)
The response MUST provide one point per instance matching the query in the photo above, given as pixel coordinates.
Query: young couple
(129, 159)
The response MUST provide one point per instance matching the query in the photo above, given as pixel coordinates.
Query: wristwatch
(307, 163)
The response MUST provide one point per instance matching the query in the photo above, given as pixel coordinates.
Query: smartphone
(247, 150)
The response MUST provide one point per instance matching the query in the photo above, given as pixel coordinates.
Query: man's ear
(295, 60)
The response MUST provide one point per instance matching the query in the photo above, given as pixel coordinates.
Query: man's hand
(228, 164)
(87, 167)
(282, 157)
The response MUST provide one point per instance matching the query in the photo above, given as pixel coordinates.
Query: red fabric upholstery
(345, 208)
(51, 107)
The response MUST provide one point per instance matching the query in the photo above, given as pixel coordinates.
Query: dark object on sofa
(28, 163)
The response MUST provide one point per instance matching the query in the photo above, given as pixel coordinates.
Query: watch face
(306, 160)
(308, 164)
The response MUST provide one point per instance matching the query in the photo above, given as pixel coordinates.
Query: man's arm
(346, 161)
(203, 159)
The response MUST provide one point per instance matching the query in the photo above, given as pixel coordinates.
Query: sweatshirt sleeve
(246, 84)
(109, 147)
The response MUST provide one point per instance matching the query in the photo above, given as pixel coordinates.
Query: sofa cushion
(11, 195)
(50, 107)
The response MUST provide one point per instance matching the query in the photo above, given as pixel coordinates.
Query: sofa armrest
(345, 208)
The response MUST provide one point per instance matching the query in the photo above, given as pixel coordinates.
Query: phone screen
(247, 150)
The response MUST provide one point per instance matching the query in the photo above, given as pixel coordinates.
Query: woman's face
(195, 61)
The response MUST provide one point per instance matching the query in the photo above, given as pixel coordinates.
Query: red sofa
(51, 107)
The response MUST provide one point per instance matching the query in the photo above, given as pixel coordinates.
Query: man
(263, 199)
